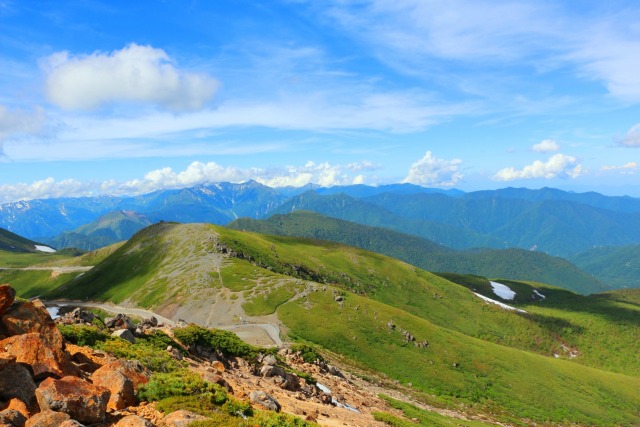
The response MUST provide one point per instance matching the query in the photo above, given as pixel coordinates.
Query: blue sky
(124, 97)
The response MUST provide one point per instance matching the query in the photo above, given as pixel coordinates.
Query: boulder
(7, 296)
(16, 382)
(119, 321)
(272, 371)
(125, 334)
(133, 421)
(265, 400)
(80, 399)
(11, 417)
(121, 387)
(269, 359)
(131, 369)
(35, 350)
(32, 316)
(180, 418)
(218, 366)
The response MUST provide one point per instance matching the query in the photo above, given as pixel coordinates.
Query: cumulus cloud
(546, 146)
(632, 138)
(431, 171)
(197, 173)
(135, 73)
(14, 123)
(558, 166)
(628, 168)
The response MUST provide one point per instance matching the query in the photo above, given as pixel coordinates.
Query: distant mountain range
(550, 221)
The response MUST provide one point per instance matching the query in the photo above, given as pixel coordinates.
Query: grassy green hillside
(517, 264)
(11, 242)
(616, 265)
(490, 360)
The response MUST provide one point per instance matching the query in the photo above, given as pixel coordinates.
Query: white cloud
(558, 166)
(627, 168)
(431, 171)
(14, 123)
(632, 138)
(135, 73)
(196, 173)
(546, 146)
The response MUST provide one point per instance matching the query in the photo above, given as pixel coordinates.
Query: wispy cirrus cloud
(558, 166)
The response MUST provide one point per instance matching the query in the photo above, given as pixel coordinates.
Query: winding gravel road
(243, 330)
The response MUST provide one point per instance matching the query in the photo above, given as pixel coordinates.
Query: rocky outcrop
(7, 296)
(16, 382)
(181, 418)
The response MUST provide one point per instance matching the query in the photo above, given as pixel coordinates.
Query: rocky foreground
(46, 381)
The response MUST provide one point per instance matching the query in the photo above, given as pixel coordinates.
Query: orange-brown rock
(16, 382)
(131, 369)
(47, 419)
(32, 316)
(7, 296)
(133, 421)
(18, 405)
(12, 418)
(121, 387)
(35, 350)
(87, 358)
(80, 399)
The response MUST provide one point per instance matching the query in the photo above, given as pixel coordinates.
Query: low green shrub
(181, 382)
(227, 342)
(83, 334)
(308, 353)
(154, 358)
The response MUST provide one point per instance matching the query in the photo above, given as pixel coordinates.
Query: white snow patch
(503, 291)
(535, 291)
(501, 304)
(324, 388)
(53, 312)
(44, 248)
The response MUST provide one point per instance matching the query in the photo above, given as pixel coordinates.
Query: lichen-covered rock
(80, 399)
(265, 400)
(35, 350)
(121, 387)
(16, 382)
(32, 316)
(131, 369)
(7, 296)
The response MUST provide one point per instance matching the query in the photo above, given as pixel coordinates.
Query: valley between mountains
(428, 339)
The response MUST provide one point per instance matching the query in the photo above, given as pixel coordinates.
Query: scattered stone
(265, 400)
(119, 321)
(47, 418)
(132, 369)
(269, 359)
(339, 298)
(180, 418)
(272, 371)
(125, 334)
(218, 366)
(18, 405)
(133, 421)
(80, 399)
(391, 326)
